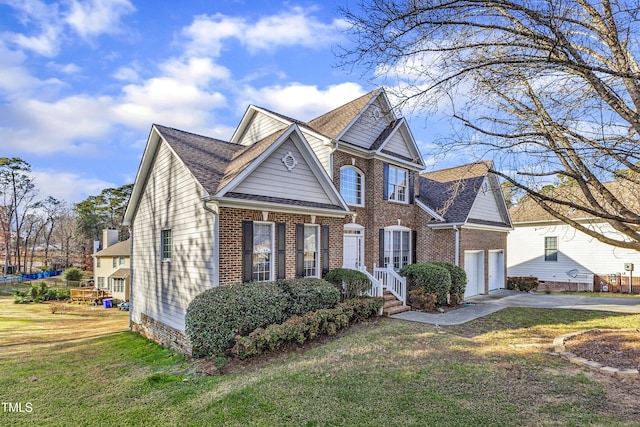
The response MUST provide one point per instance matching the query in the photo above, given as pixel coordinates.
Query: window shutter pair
(414, 244)
(247, 251)
(324, 249)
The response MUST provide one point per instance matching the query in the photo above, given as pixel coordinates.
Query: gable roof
(207, 158)
(117, 249)
(527, 210)
(452, 193)
(333, 123)
(217, 164)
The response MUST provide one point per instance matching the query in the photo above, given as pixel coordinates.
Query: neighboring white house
(111, 265)
(563, 258)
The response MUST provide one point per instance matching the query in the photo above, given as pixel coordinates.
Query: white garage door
(496, 269)
(474, 267)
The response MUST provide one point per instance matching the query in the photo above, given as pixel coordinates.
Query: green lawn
(84, 368)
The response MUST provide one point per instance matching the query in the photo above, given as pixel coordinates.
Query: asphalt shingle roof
(335, 121)
(117, 249)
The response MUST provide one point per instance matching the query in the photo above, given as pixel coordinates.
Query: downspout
(457, 245)
(131, 274)
(216, 245)
(331, 151)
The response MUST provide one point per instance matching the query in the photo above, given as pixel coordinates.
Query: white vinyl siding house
(579, 256)
(171, 200)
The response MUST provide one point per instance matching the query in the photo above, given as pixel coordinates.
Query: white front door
(352, 252)
(353, 247)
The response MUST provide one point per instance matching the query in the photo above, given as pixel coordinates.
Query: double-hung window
(165, 245)
(351, 186)
(551, 248)
(397, 184)
(262, 251)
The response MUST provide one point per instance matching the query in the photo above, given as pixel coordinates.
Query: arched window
(352, 186)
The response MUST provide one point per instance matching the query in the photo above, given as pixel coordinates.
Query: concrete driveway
(483, 305)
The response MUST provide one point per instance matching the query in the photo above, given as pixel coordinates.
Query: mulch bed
(618, 349)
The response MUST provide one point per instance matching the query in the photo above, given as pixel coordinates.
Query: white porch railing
(392, 281)
(376, 285)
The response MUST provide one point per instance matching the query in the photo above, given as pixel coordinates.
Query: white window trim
(545, 249)
(318, 249)
(406, 186)
(391, 229)
(272, 261)
(162, 238)
(361, 174)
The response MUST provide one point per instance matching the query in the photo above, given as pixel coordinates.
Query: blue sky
(82, 81)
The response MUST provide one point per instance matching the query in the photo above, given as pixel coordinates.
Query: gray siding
(261, 126)
(272, 178)
(398, 145)
(321, 150)
(171, 200)
(366, 129)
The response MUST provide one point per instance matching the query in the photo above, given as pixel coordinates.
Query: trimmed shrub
(524, 284)
(351, 283)
(216, 316)
(458, 281)
(364, 308)
(434, 279)
(72, 274)
(299, 329)
(309, 294)
(420, 300)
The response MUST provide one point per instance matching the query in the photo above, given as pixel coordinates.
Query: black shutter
(324, 247)
(281, 253)
(385, 182)
(411, 186)
(299, 250)
(247, 251)
(414, 246)
(381, 249)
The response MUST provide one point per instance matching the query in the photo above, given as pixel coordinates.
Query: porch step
(395, 310)
(392, 305)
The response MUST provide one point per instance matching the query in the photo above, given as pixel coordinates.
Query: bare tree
(17, 192)
(548, 88)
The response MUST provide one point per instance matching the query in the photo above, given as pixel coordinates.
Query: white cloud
(303, 102)
(94, 17)
(168, 101)
(64, 68)
(291, 28)
(41, 18)
(41, 127)
(199, 71)
(126, 74)
(68, 186)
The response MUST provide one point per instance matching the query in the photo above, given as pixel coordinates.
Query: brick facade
(377, 212)
(230, 270)
(162, 334)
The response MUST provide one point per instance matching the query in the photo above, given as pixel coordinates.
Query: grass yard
(84, 368)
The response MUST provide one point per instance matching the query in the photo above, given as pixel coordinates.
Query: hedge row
(300, 329)
(216, 316)
(524, 284)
